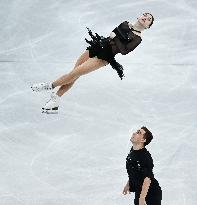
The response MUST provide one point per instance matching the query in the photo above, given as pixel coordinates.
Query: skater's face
(138, 136)
(145, 20)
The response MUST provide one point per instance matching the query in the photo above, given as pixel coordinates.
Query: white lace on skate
(38, 87)
(51, 107)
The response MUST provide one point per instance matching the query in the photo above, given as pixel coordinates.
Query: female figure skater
(123, 39)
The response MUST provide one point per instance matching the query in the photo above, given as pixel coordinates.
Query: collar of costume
(135, 30)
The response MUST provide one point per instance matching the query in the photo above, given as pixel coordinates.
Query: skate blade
(49, 111)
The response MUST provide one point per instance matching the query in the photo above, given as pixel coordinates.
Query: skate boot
(38, 87)
(51, 107)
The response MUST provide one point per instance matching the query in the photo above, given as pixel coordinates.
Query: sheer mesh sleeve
(122, 31)
(125, 48)
(125, 40)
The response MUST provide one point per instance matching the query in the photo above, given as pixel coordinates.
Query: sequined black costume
(139, 165)
(124, 42)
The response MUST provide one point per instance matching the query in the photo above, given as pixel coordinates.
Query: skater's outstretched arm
(126, 188)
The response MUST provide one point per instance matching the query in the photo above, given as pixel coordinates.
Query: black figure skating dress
(104, 48)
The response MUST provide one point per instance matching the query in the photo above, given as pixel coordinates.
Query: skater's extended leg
(44, 86)
(84, 57)
(88, 66)
(64, 88)
(83, 66)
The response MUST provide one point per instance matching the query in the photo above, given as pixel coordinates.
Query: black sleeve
(128, 47)
(122, 31)
(148, 168)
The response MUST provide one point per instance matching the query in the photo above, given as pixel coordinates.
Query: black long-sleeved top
(139, 165)
(124, 46)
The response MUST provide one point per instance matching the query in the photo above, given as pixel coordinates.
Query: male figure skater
(139, 165)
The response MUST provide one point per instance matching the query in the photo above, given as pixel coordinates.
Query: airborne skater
(100, 52)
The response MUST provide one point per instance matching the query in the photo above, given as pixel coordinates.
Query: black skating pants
(153, 201)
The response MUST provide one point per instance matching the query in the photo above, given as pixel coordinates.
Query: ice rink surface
(78, 156)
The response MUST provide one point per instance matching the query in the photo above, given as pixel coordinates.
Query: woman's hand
(130, 25)
(112, 35)
(142, 201)
(126, 189)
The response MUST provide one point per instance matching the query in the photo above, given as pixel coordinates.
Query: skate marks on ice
(9, 199)
(61, 164)
(41, 172)
(10, 96)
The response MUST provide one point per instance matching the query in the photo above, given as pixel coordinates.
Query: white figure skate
(38, 87)
(51, 107)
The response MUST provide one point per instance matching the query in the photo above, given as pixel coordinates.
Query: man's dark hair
(148, 135)
(152, 20)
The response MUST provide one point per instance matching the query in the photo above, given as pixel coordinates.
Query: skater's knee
(84, 57)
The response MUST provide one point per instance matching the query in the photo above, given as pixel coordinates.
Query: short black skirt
(101, 48)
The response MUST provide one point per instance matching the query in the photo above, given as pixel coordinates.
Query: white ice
(78, 156)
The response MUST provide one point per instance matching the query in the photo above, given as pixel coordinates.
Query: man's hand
(142, 201)
(126, 190)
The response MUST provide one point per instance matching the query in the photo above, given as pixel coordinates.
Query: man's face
(145, 20)
(138, 136)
